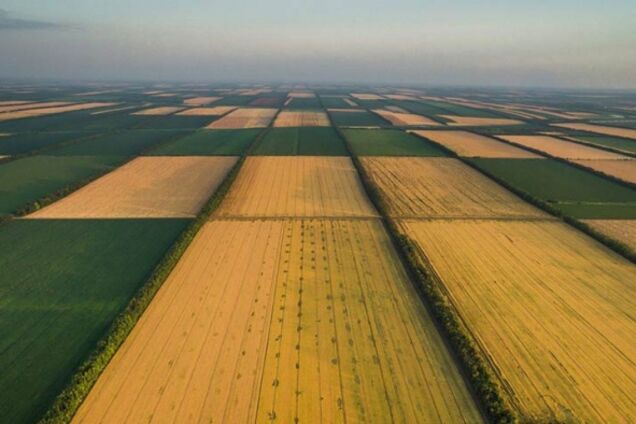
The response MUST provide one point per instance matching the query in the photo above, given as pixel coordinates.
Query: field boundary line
(572, 139)
(80, 383)
(486, 392)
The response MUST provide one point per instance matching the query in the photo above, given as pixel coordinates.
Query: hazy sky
(563, 43)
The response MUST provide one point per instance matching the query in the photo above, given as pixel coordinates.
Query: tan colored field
(601, 129)
(350, 102)
(468, 144)
(14, 102)
(551, 309)
(622, 169)
(146, 187)
(561, 148)
(30, 113)
(201, 101)
(301, 94)
(288, 118)
(287, 320)
(297, 186)
(158, 111)
(30, 105)
(421, 187)
(207, 111)
(405, 119)
(623, 230)
(400, 97)
(479, 122)
(245, 118)
(367, 96)
(117, 109)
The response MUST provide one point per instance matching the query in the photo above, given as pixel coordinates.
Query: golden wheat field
(159, 111)
(624, 170)
(30, 113)
(207, 111)
(366, 96)
(146, 187)
(551, 309)
(245, 118)
(623, 230)
(442, 187)
(283, 186)
(401, 119)
(286, 321)
(561, 148)
(14, 107)
(301, 94)
(201, 101)
(469, 144)
(601, 129)
(470, 121)
(289, 118)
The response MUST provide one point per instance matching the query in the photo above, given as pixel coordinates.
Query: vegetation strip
(83, 380)
(488, 393)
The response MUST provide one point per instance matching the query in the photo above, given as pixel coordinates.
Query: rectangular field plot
(303, 103)
(601, 129)
(551, 309)
(561, 148)
(469, 121)
(336, 102)
(297, 186)
(442, 188)
(62, 283)
(161, 110)
(380, 142)
(574, 191)
(245, 118)
(356, 118)
(207, 111)
(469, 144)
(16, 144)
(30, 113)
(623, 230)
(208, 143)
(174, 122)
(624, 170)
(400, 119)
(201, 101)
(308, 141)
(619, 144)
(304, 118)
(146, 187)
(307, 320)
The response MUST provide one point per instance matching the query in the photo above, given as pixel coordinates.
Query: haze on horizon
(560, 43)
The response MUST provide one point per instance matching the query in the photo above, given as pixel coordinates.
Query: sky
(541, 43)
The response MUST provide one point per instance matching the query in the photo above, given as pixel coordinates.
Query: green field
(576, 192)
(62, 283)
(357, 119)
(208, 143)
(304, 103)
(334, 102)
(621, 144)
(170, 122)
(309, 141)
(454, 109)
(83, 120)
(235, 101)
(27, 142)
(379, 142)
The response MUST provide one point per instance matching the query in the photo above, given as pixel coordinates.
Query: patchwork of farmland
(301, 253)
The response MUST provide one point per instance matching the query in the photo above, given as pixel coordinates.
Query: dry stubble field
(245, 118)
(402, 119)
(561, 148)
(469, 144)
(302, 119)
(622, 169)
(623, 230)
(601, 129)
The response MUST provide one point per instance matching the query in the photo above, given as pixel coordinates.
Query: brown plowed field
(468, 144)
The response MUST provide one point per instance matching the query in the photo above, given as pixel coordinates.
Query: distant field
(389, 142)
(308, 141)
(61, 285)
(235, 101)
(550, 308)
(357, 119)
(304, 103)
(304, 186)
(613, 142)
(561, 148)
(308, 320)
(469, 144)
(455, 109)
(245, 118)
(335, 102)
(174, 122)
(576, 192)
(208, 143)
(601, 129)
(16, 144)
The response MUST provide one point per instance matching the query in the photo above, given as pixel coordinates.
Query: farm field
(300, 186)
(303, 103)
(561, 148)
(574, 191)
(619, 144)
(471, 121)
(30, 113)
(624, 170)
(468, 144)
(356, 118)
(442, 188)
(304, 118)
(601, 129)
(389, 142)
(16, 144)
(62, 283)
(245, 118)
(305, 346)
(208, 143)
(207, 111)
(623, 230)
(307, 141)
(401, 119)
(146, 187)
(553, 285)
(163, 110)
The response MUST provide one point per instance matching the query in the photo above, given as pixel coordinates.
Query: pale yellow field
(207, 111)
(116, 109)
(201, 101)
(479, 122)
(623, 230)
(468, 144)
(308, 320)
(601, 129)
(366, 96)
(400, 97)
(297, 186)
(146, 187)
(561, 148)
(405, 119)
(553, 311)
(30, 113)
(442, 187)
(245, 118)
(14, 102)
(29, 105)
(158, 111)
(301, 119)
(301, 94)
(622, 169)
